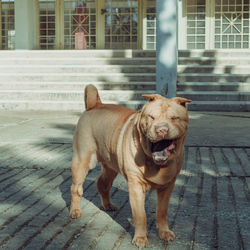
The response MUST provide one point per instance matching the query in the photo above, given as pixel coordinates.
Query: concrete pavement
(209, 207)
(206, 129)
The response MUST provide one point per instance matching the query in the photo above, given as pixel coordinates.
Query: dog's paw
(75, 213)
(140, 241)
(109, 207)
(167, 235)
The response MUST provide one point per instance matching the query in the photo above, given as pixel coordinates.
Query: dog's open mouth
(161, 150)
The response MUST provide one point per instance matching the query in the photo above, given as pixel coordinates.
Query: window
(47, 18)
(7, 24)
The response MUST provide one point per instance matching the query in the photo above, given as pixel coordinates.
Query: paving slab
(209, 208)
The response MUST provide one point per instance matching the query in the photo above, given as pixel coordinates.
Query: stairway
(216, 80)
(55, 80)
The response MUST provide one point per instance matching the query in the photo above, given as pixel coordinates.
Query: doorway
(216, 24)
(92, 24)
(121, 24)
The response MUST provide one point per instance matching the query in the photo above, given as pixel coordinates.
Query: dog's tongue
(160, 156)
(162, 150)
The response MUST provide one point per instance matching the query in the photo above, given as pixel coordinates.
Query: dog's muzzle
(161, 151)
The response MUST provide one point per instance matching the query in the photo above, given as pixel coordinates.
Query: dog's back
(99, 121)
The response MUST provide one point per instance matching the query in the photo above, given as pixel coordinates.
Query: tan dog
(146, 147)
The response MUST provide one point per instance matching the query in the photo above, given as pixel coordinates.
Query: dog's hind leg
(80, 168)
(104, 184)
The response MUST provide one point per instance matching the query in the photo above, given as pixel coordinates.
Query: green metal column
(166, 47)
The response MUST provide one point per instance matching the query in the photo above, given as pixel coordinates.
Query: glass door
(121, 24)
(47, 24)
(196, 25)
(96, 24)
(217, 24)
(232, 24)
(69, 24)
(80, 24)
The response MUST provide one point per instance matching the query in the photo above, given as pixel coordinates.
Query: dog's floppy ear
(152, 97)
(181, 101)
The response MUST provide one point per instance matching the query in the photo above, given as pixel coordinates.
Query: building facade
(95, 24)
(120, 24)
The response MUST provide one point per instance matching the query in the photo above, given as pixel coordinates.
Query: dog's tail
(91, 97)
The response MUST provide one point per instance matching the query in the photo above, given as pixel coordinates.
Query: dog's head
(163, 123)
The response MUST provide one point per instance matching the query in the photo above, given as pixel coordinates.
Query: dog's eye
(151, 117)
(174, 118)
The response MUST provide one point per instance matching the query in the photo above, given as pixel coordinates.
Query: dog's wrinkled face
(163, 122)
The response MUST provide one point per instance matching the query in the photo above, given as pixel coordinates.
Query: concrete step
(215, 69)
(77, 53)
(79, 86)
(51, 60)
(210, 77)
(121, 61)
(216, 80)
(225, 106)
(215, 95)
(88, 77)
(215, 53)
(121, 53)
(59, 105)
(213, 86)
(228, 61)
(60, 95)
(55, 80)
(236, 69)
(78, 69)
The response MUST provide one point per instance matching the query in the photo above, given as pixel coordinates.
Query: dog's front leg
(163, 197)
(137, 199)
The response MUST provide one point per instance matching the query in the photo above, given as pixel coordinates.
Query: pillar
(166, 47)
(181, 25)
(100, 28)
(25, 24)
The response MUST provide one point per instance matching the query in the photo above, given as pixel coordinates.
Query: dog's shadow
(119, 196)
